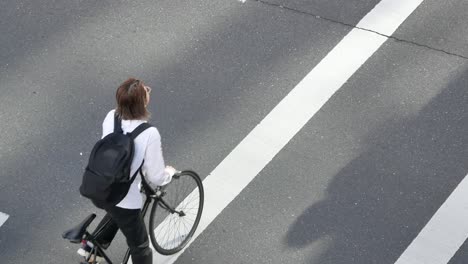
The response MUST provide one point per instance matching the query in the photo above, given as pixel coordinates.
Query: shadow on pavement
(210, 83)
(378, 203)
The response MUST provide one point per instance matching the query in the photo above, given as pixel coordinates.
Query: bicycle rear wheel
(175, 216)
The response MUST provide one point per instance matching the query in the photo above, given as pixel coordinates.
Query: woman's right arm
(154, 169)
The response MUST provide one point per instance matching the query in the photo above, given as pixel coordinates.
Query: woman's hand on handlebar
(172, 171)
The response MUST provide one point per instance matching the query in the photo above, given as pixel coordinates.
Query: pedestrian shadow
(377, 204)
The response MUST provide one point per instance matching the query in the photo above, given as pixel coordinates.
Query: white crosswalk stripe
(3, 218)
(258, 148)
(444, 234)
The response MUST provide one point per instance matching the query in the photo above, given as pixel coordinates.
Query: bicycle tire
(162, 220)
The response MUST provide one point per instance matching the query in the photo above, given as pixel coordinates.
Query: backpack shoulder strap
(117, 124)
(144, 183)
(137, 131)
(137, 171)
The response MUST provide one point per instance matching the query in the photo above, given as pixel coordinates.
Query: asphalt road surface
(356, 184)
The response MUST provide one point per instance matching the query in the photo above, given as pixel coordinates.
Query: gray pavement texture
(346, 12)
(439, 25)
(354, 186)
(362, 177)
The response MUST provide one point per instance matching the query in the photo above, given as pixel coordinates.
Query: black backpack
(106, 180)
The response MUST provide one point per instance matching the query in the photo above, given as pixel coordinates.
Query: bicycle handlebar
(145, 186)
(177, 174)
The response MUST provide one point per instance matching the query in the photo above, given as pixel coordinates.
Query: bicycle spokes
(175, 218)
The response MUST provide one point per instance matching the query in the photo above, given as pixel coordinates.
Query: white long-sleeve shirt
(147, 147)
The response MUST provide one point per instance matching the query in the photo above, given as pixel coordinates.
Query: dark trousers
(130, 221)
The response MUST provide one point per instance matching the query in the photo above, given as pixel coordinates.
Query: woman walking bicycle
(133, 97)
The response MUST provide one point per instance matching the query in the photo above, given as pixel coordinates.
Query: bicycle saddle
(76, 234)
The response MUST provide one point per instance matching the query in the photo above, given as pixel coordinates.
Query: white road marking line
(261, 145)
(3, 218)
(444, 234)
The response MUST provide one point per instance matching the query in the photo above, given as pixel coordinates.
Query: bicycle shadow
(379, 202)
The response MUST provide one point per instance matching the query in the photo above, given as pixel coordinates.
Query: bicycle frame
(151, 194)
(98, 248)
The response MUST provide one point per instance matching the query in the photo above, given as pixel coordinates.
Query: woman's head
(132, 98)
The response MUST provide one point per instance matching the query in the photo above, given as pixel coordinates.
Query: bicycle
(178, 214)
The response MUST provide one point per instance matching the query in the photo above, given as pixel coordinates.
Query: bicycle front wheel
(175, 216)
